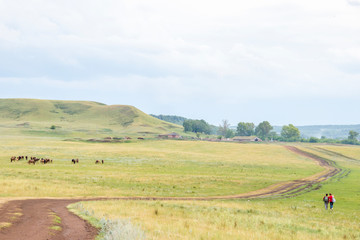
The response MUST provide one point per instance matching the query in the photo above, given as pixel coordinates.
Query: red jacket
(331, 198)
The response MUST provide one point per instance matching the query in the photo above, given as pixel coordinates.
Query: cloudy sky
(282, 61)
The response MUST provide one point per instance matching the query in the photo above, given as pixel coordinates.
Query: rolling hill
(78, 118)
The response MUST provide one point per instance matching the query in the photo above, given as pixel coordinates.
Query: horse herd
(33, 160)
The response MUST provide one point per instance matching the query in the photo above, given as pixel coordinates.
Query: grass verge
(110, 229)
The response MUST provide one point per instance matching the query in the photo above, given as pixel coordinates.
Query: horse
(31, 162)
(97, 161)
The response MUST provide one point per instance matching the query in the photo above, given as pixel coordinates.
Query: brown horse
(97, 161)
(31, 162)
(12, 159)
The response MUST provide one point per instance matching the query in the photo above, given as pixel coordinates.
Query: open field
(188, 169)
(301, 217)
(145, 168)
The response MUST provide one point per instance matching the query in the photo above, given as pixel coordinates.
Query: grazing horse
(12, 159)
(102, 161)
(97, 161)
(31, 162)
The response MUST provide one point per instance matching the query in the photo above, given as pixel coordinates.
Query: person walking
(331, 199)
(326, 201)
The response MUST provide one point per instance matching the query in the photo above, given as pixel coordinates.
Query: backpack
(326, 199)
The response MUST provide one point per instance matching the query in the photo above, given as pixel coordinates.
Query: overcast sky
(282, 61)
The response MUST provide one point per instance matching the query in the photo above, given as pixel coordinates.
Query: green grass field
(189, 168)
(301, 217)
(145, 168)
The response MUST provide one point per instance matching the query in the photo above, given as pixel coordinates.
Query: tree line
(264, 130)
(289, 133)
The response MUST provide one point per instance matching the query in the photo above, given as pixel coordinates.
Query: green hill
(78, 119)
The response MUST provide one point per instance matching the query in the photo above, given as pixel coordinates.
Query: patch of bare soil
(35, 221)
(32, 219)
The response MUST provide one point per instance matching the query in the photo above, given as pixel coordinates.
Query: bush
(314, 140)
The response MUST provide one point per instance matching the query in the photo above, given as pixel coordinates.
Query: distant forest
(318, 131)
(180, 121)
(170, 118)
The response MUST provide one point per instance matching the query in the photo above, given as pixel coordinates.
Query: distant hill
(78, 118)
(329, 131)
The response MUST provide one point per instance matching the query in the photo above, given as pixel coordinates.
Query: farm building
(246, 139)
(172, 135)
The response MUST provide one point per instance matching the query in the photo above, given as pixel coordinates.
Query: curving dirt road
(35, 219)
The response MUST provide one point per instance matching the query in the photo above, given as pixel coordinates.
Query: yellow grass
(280, 219)
(302, 217)
(145, 168)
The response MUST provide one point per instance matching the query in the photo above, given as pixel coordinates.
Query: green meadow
(170, 168)
(189, 168)
(298, 217)
(145, 168)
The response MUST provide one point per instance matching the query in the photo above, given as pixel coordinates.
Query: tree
(245, 129)
(187, 126)
(353, 135)
(273, 135)
(224, 127)
(197, 126)
(290, 133)
(314, 140)
(263, 129)
(229, 133)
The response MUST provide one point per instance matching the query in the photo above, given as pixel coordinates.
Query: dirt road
(35, 219)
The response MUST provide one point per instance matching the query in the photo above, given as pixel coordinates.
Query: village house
(246, 139)
(172, 135)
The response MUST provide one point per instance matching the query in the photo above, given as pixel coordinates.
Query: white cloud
(172, 51)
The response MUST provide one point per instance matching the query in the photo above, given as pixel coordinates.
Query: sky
(282, 61)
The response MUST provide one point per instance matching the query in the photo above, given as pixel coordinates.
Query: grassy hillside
(77, 118)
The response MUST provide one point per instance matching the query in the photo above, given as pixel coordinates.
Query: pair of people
(329, 198)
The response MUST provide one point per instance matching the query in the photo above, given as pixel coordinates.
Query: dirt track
(32, 219)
